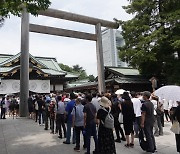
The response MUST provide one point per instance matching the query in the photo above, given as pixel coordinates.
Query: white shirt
(165, 104)
(172, 104)
(95, 102)
(137, 106)
(155, 106)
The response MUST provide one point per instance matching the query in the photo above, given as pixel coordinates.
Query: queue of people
(97, 116)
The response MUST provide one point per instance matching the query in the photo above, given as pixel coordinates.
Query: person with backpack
(68, 110)
(78, 122)
(106, 143)
(47, 101)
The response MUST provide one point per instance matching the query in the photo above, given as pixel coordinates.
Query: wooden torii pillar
(26, 28)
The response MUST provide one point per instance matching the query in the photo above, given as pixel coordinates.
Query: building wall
(111, 39)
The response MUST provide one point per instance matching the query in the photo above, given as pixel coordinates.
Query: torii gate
(26, 28)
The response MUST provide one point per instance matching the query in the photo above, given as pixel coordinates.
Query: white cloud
(67, 50)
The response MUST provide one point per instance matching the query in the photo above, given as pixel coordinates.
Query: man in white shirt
(166, 110)
(137, 110)
(95, 101)
(157, 114)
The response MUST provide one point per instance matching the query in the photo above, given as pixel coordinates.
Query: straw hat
(105, 102)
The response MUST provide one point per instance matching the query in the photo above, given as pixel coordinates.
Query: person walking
(60, 117)
(36, 107)
(30, 106)
(157, 115)
(51, 110)
(166, 111)
(68, 110)
(90, 124)
(147, 121)
(106, 143)
(78, 123)
(128, 119)
(47, 101)
(137, 110)
(3, 108)
(115, 110)
(41, 107)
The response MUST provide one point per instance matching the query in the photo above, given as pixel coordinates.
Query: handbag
(120, 119)
(175, 128)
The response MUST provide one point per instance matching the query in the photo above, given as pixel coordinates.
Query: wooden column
(100, 61)
(24, 62)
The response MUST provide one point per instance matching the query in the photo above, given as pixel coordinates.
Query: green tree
(65, 67)
(152, 38)
(76, 69)
(1, 21)
(91, 78)
(14, 7)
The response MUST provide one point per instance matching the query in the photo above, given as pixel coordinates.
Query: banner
(13, 86)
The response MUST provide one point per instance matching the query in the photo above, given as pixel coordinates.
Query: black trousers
(46, 119)
(60, 122)
(3, 113)
(166, 112)
(178, 142)
(118, 129)
(36, 115)
(78, 130)
(148, 131)
(52, 119)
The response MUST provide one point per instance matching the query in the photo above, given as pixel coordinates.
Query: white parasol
(119, 91)
(170, 92)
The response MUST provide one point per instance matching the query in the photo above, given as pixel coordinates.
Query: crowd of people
(98, 115)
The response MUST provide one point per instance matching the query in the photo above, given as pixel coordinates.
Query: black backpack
(143, 143)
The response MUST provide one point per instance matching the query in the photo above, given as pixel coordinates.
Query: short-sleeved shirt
(69, 109)
(77, 112)
(90, 111)
(60, 108)
(148, 108)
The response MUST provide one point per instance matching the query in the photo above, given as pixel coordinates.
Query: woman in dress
(128, 119)
(106, 142)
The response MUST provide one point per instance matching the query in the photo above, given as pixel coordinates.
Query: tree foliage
(152, 38)
(14, 7)
(78, 70)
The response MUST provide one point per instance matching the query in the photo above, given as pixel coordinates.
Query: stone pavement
(24, 136)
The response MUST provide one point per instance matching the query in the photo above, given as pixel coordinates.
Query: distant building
(115, 78)
(111, 40)
(45, 75)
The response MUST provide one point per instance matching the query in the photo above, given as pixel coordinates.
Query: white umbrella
(119, 91)
(170, 92)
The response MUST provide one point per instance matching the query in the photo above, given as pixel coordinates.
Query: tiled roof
(124, 70)
(47, 65)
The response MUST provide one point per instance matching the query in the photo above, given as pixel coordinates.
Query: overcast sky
(68, 51)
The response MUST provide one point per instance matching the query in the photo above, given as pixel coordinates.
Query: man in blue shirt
(69, 108)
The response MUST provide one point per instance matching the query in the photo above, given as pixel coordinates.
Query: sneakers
(77, 149)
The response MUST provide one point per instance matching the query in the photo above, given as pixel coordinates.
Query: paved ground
(24, 136)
